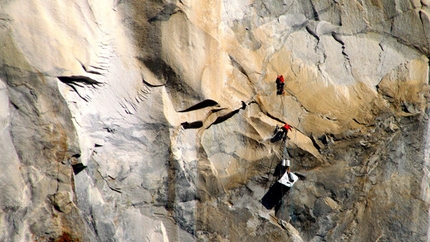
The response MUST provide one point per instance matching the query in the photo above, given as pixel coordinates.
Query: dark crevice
(110, 130)
(358, 122)
(313, 33)
(217, 110)
(76, 164)
(114, 189)
(223, 118)
(275, 118)
(326, 139)
(108, 183)
(77, 80)
(314, 12)
(206, 103)
(219, 119)
(152, 85)
(337, 38)
(78, 168)
(14, 105)
(77, 92)
(76, 155)
(192, 125)
(315, 143)
(91, 71)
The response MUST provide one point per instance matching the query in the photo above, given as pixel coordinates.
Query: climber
(280, 85)
(281, 133)
(285, 129)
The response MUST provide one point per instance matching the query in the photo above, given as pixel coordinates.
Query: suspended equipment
(288, 178)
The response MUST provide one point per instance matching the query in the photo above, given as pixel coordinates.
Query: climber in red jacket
(285, 129)
(281, 133)
(280, 85)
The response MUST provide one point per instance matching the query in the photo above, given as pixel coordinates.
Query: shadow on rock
(274, 196)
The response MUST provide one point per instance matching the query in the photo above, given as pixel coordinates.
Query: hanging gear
(288, 178)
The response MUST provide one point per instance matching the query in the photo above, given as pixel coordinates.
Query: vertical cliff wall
(144, 120)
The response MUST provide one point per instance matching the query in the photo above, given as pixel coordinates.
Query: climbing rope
(287, 205)
(286, 157)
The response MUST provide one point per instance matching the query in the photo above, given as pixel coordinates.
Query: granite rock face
(146, 120)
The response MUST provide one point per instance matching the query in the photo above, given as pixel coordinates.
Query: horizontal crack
(76, 80)
(220, 117)
(204, 104)
(152, 85)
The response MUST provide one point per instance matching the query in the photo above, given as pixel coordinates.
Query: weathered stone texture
(147, 120)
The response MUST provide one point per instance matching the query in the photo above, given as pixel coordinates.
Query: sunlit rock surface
(151, 120)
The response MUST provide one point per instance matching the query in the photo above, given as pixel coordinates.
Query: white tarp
(286, 181)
